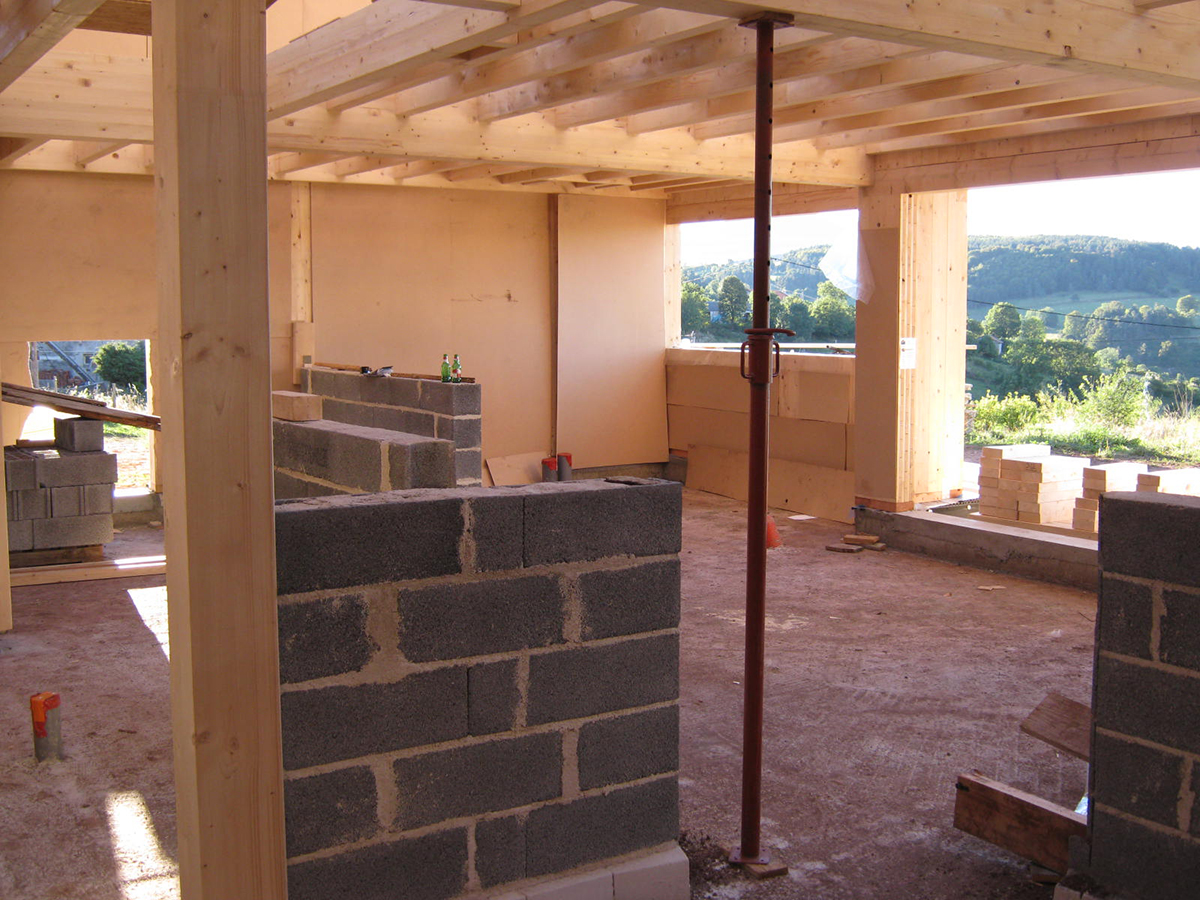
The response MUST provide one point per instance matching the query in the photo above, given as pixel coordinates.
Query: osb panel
(799, 440)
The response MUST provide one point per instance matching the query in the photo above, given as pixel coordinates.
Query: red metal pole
(758, 347)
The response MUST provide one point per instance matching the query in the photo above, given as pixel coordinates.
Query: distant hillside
(1011, 268)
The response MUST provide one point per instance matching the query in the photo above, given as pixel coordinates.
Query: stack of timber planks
(1171, 481)
(1026, 483)
(1120, 476)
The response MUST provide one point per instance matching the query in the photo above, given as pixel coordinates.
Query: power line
(1088, 317)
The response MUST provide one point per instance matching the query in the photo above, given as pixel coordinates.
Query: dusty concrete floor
(887, 675)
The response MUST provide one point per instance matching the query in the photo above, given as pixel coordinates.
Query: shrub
(122, 363)
(1012, 413)
(1113, 401)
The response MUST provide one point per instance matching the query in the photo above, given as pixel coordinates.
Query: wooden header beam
(29, 29)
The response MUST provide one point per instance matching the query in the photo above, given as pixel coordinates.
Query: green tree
(974, 330)
(799, 318)
(1032, 329)
(694, 315)
(1074, 327)
(832, 314)
(121, 363)
(1002, 321)
(733, 300)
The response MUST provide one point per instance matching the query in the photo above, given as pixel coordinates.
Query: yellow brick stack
(1121, 476)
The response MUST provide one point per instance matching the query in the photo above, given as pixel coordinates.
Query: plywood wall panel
(815, 443)
(812, 490)
(612, 388)
(401, 276)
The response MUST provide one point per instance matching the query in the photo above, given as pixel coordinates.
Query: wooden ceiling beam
(87, 152)
(675, 60)
(632, 32)
(824, 55)
(29, 29)
(543, 173)
(1130, 99)
(357, 165)
(1096, 37)
(385, 41)
(286, 163)
(1147, 5)
(12, 149)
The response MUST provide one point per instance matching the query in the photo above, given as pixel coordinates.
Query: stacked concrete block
(1097, 480)
(480, 692)
(421, 406)
(59, 498)
(1025, 483)
(323, 458)
(1145, 764)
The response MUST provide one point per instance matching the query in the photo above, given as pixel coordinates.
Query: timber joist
(648, 100)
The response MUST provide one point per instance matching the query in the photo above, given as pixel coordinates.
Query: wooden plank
(1063, 723)
(522, 468)
(29, 29)
(215, 386)
(1012, 451)
(58, 556)
(120, 17)
(78, 406)
(1063, 530)
(92, 571)
(295, 406)
(1017, 821)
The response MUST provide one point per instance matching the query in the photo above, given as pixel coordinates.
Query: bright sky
(1161, 206)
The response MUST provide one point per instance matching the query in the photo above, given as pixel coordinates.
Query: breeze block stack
(61, 497)
(480, 692)
(419, 406)
(1025, 483)
(1098, 480)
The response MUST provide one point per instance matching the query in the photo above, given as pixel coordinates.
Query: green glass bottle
(456, 370)
(446, 367)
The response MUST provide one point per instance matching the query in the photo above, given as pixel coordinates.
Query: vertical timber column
(210, 157)
(6, 616)
(908, 407)
(303, 329)
(672, 285)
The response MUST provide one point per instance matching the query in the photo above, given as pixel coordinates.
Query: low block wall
(420, 406)
(323, 458)
(1145, 775)
(480, 687)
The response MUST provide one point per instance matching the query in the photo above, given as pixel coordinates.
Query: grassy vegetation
(1087, 302)
(1109, 418)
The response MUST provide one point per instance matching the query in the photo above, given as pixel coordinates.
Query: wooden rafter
(12, 149)
(29, 29)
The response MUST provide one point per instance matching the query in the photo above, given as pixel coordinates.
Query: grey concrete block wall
(1144, 828)
(447, 687)
(60, 498)
(420, 406)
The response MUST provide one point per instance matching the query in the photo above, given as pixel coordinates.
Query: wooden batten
(210, 145)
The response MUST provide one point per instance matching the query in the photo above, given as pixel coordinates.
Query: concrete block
(497, 526)
(347, 412)
(1142, 861)
(295, 406)
(451, 399)
(332, 451)
(338, 385)
(596, 885)
(329, 809)
(56, 468)
(628, 601)
(79, 434)
(583, 520)
(68, 501)
(1179, 637)
(464, 432)
(1126, 616)
(566, 835)
(97, 499)
(500, 850)
(326, 725)
(419, 462)
(450, 621)
(20, 471)
(30, 504)
(492, 697)
(1151, 535)
(613, 751)
(318, 638)
(579, 682)
(386, 417)
(291, 487)
(1136, 779)
(430, 867)
(659, 876)
(338, 542)
(10, 505)
(468, 464)
(20, 536)
(483, 778)
(72, 531)
(1147, 702)
(390, 391)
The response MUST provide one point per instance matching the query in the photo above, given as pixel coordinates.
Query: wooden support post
(210, 152)
(6, 616)
(303, 330)
(910, 361)
(672, 285)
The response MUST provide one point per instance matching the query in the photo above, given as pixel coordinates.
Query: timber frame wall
(890, 108)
